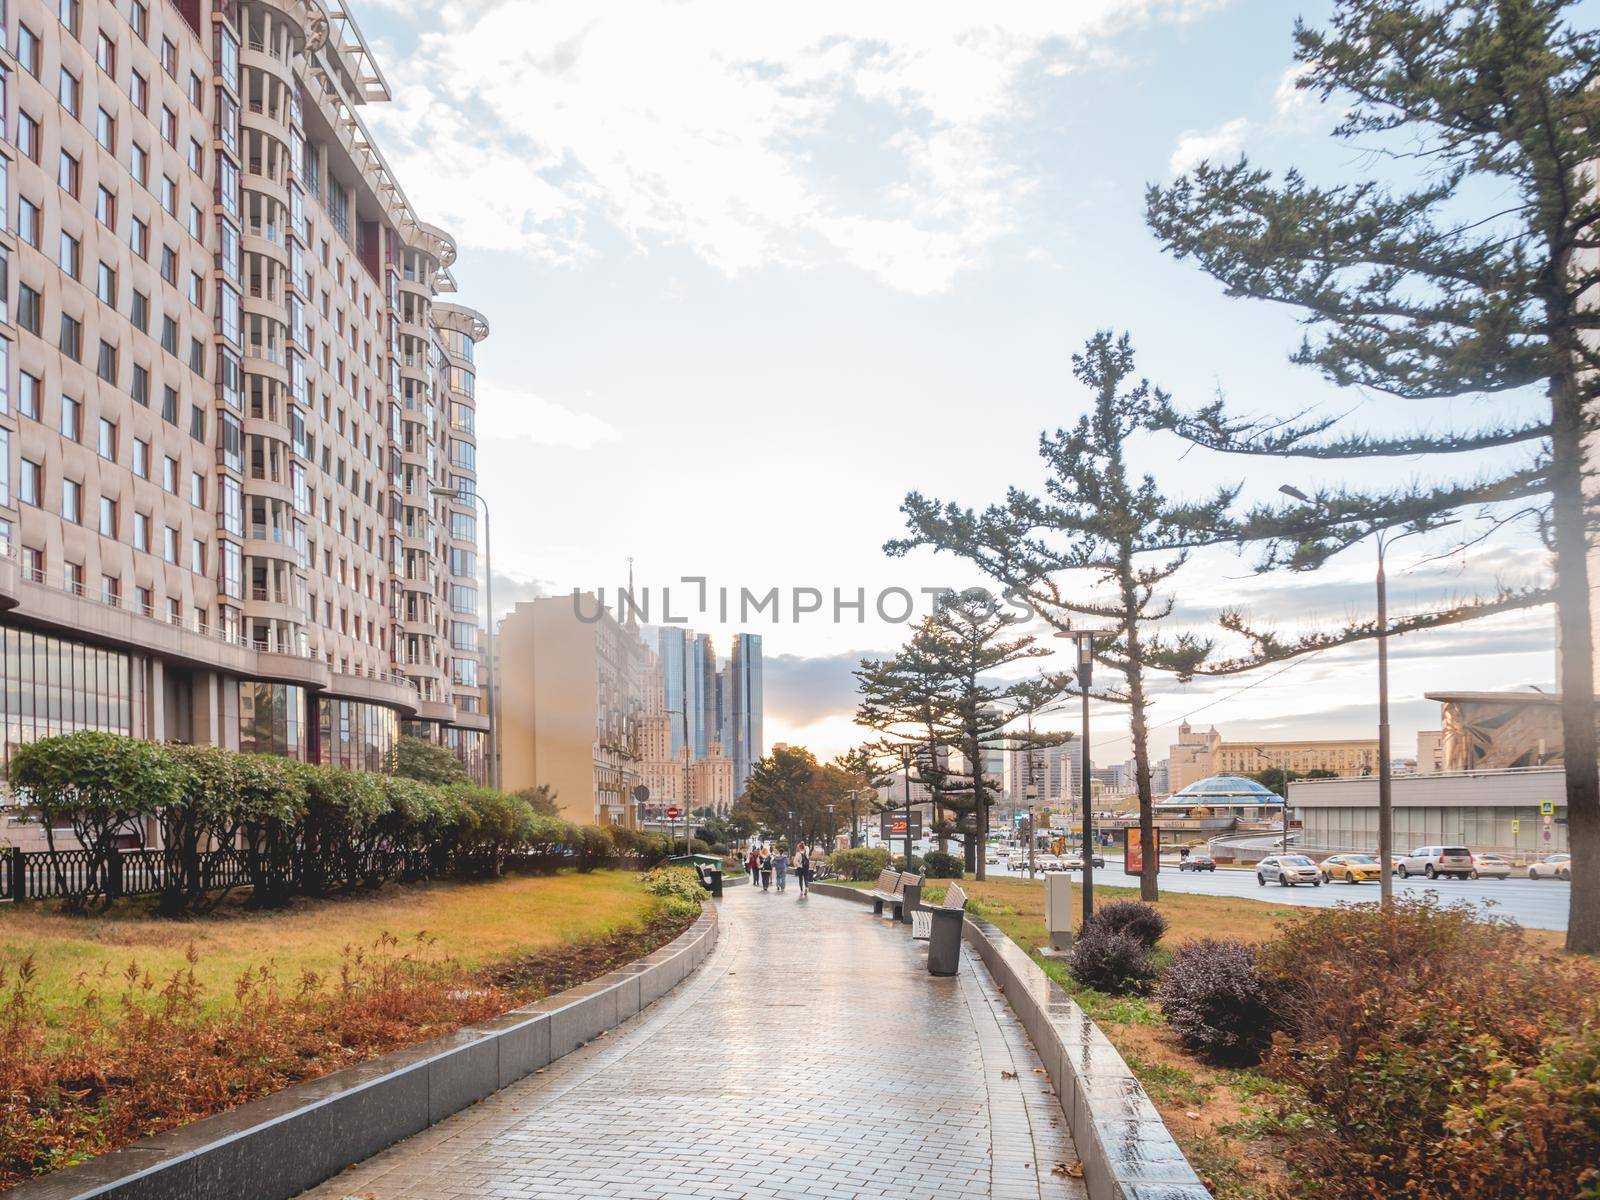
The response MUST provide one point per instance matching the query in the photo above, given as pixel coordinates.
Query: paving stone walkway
(812, 1056)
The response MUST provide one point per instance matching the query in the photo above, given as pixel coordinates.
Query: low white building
(1498, 810)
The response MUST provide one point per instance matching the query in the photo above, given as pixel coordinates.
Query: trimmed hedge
(859, 865)
(301, 828)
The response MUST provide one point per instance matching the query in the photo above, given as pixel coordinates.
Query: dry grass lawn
(473, 923)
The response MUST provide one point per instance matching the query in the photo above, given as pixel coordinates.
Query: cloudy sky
(755, 271)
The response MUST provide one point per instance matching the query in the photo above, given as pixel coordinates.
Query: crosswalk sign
(1547, 808)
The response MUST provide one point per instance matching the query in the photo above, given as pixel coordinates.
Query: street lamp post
(459, 495)
(905, 774)
(1084, 643)
(1385, 792)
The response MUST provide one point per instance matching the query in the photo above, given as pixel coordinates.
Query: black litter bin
(713, 880)
(944, 941)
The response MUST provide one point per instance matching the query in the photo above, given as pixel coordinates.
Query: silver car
(1288, 870)
(1454, 862)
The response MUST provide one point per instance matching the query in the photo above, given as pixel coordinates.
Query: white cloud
(513, 415)
(1196, 146)
(528, 126)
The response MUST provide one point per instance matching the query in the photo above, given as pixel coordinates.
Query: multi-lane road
(1535, 903)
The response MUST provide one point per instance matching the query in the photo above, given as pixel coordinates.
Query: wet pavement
(812, 1056)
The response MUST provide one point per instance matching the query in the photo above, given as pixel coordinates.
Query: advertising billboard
(1133, 850)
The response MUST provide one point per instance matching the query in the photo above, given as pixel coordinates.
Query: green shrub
(943, 866)
(680, 885)
(1215, 1000)
(859, 865)
(595, 847)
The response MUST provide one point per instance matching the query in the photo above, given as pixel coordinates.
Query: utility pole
(905, 774)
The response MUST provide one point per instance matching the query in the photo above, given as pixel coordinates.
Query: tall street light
(461, 496)
(1385, 796)
(1084, 642)
(906, 753)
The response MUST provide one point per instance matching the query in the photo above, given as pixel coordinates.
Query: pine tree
(1481, 280)
(1099, 528)
(941, 690)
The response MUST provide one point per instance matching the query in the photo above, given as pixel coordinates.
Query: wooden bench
(944, 931)
(890, 889)
(922, 919)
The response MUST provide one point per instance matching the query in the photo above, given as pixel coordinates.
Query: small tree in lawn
(1482, 281)
(101, 785)
(272, 814)
(542, 800)
(1100, 524)
(413, 758)
(207, 812)
(865, 772)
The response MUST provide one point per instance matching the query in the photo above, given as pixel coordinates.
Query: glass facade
(355, 735)
(272, 719)
(55, 686)
(471, 746)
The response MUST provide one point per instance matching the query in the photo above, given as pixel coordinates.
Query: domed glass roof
(1224, 789)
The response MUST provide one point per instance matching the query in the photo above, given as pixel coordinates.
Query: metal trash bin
(713, 880)
(944, 941)
(913, 901)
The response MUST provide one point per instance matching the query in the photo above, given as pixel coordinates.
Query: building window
(28, 50)
(106, 368)
(272, 719)
(106, 284)
(139, 91)
(29, 309)
(28, 139)
(108, 516)
(68, 174)
(141, 385)
(28, 222)
(73, 576)
(105, 130)
(139, 161)
(169, 475)
(139, 314)
(197, 489)
(71, 425)
(141, 458)
(105, 53)
(69, 92)
(169, 544)
(141, 531)
(30, 482)
(71, 501)
(71, 341)
(28, 387)
(69, 254)
(106, 443)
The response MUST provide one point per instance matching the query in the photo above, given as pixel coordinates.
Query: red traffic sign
(672, 812)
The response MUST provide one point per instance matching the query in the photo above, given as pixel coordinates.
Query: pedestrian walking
(766, 869)
(802, 869)
(753, 864)
(780, 866)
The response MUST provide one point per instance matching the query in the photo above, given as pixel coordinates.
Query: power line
(1127, 737)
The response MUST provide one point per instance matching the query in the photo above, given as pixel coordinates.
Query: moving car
(1351, 868)
(992, 855)
(1288, 870)
(1197, 862)
(1490, 866)
(1557, 866)
(1434, 861)
(1073, 861)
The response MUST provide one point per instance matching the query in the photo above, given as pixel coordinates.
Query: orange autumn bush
(1433, 1054)
(137, 1055)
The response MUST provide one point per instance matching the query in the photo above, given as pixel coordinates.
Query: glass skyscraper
(743, 695)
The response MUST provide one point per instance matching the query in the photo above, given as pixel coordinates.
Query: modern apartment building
(227, 389)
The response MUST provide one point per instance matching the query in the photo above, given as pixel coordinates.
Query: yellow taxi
(1351, 868)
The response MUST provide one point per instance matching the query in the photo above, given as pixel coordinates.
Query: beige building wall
(572, 702)
(1192, 757)
(1356, 756)
(1430, 751)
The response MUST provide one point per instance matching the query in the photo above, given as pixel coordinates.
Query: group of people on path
(768, 865)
